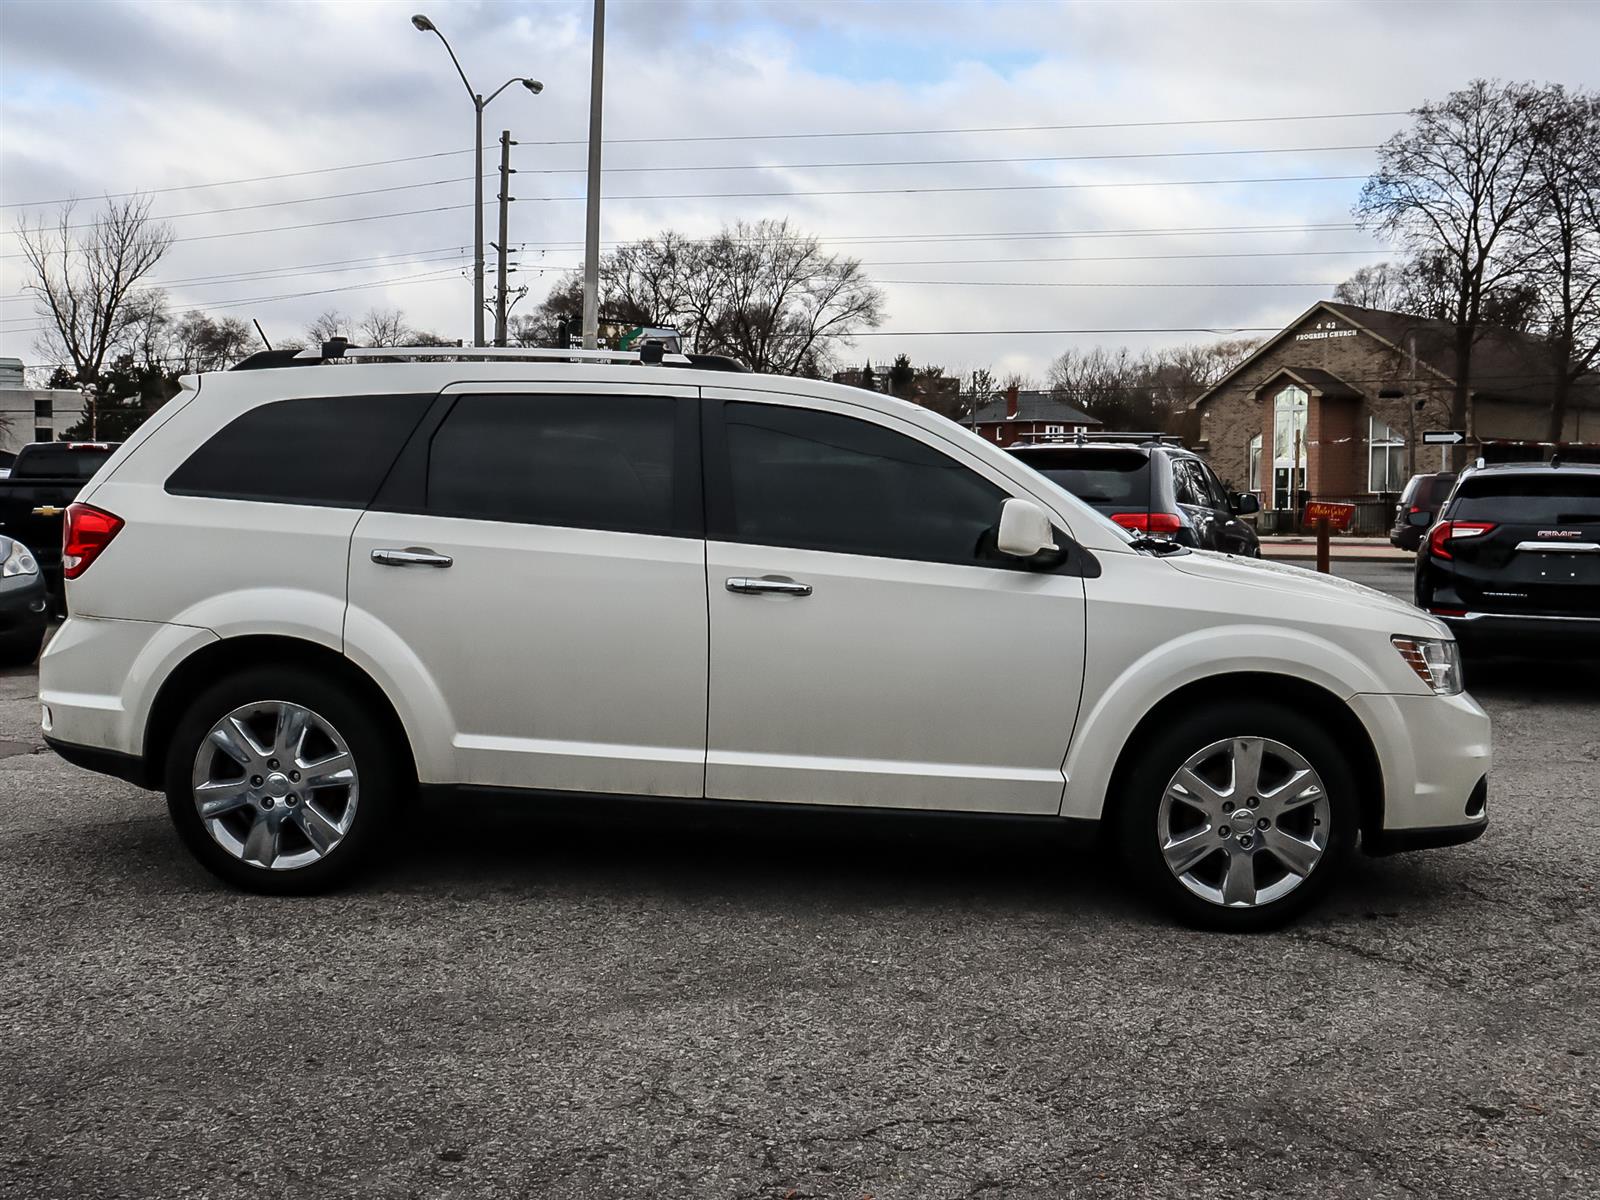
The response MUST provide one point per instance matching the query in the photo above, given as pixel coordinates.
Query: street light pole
(479, 103)
(591, 232)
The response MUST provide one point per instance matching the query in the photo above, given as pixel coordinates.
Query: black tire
(20, 649)
(1159, 758)
(382, 784)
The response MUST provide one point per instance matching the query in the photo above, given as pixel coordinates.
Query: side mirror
(1420, 519)
(1245, 504)
(1024, 529)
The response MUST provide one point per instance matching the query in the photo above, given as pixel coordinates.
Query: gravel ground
(525, 1007)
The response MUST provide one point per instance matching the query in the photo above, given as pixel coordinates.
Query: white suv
(305, 589)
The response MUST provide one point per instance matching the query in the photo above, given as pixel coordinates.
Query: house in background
(1333, 407)
(33, 414)
(1028, 416)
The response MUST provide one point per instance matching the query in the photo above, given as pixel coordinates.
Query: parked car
(300, 592)
(1514, 557)
(24, 604)
(1153, 488)
(1422, 498)
(44, 479)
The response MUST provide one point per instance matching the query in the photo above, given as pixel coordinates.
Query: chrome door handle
(776, 584)
(411, 556)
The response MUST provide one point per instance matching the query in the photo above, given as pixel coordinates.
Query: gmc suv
(304, 589)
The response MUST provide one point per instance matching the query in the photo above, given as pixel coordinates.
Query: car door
(868, 646)
(1193, 496)
(1233, 535)
(536, 562)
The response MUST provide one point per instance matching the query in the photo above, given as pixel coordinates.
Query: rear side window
(1118, 479)
(821, 481)
(330, 452)
(585, 462)
(1547, 499)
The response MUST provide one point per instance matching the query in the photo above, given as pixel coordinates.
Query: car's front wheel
(1239, 817)
(280, 781)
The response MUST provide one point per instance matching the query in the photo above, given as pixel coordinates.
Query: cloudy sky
(1103, 128)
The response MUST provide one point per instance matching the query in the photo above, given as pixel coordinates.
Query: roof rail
(335, 351)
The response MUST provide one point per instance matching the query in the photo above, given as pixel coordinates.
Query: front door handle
(775, 584)
(411, 556)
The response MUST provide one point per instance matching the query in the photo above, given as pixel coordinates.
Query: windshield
(1547, 499)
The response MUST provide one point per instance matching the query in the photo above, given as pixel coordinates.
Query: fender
(1162, 670)
(391, 663)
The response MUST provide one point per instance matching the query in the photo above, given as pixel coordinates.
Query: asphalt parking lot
(524, 1007)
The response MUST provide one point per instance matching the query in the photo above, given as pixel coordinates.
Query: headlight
(1436, 661)
(19, 562)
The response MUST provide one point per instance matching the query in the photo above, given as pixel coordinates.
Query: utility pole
(505, 206)
(591, 235)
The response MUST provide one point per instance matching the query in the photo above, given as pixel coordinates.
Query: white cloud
(107, 97)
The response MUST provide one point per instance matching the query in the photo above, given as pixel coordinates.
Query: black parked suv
(1424, 495)
(1515, 556)
(1152, 487)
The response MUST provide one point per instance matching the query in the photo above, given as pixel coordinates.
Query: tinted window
(1190, 483)
(331, 451)
(1435, 488)
(588, 462)
(1113, 479)
(826, 482)
(60, 460)
(1214, 488)
(1548, 499)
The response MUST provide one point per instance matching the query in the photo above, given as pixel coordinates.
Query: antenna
(264, 341)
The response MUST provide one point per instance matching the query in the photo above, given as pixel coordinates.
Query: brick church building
(1334, 407)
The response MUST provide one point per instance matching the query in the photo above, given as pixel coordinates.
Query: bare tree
(1559, 234)
(383, 327)
(1377, 286)
(327, 326)
(1451, 189)
(762, 292)
(84, 276)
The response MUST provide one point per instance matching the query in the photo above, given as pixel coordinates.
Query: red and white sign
(1338, 516)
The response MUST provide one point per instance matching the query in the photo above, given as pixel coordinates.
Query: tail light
(1154, 522)
(1448, 531)
(88, 531)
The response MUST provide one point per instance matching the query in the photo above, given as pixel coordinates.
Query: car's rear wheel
(1239, 817)
(279, 781)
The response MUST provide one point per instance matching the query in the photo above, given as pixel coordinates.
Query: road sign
(1443, 437)
(1338, 516)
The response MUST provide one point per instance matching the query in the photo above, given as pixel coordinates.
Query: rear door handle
(411, 556)
(776, 584)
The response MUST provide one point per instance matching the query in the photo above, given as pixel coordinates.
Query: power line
(744, 137)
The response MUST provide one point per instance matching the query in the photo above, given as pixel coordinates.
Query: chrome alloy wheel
(275, 785)
(1243, 822)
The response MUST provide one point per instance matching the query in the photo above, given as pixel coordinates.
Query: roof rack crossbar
(511, 353)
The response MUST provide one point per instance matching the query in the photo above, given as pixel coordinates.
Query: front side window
(821, 481)
(585, 462)
(1386, 455)
(328, 451)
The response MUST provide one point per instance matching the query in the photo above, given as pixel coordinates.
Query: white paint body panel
(572, 659)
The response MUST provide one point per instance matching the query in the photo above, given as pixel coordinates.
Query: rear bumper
(1507, 631)
(24, 605)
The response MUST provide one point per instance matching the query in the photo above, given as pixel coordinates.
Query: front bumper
(1435, 755)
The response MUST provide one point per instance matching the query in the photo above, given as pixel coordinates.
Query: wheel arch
(230, 655)
(1297, 694)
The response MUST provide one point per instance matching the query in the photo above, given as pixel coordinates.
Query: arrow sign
(1443, 437)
